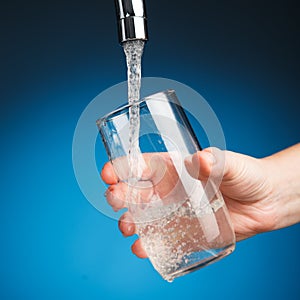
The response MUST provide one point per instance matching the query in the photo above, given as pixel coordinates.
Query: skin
(261, 194)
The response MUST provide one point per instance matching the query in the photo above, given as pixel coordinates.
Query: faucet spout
(132, 20)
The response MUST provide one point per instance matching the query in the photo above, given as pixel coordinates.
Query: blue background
(56, 56)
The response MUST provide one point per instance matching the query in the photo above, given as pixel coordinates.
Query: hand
(159, 178)
(257, 198)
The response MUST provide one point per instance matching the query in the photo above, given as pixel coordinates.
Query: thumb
(218, 165)
(240, 177)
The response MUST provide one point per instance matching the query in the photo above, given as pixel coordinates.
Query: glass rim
(125, 107)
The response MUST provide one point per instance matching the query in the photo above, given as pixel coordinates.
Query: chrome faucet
(132, 20)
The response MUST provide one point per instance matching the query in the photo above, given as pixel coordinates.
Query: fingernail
(130, 229)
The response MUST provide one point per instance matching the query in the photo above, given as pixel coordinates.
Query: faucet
(132, 20)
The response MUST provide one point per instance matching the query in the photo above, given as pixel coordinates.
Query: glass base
(201, 259)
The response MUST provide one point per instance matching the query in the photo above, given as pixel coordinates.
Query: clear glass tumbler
(182, 222)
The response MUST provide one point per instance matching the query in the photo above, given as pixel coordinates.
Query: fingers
(200, 164)
(108, 174)
(239, 177)
(159, 178)
(153, 166)
(126, 225)
(204, 164)
(127, 228)
(138, 249)
(116, 195)
(212, 163)
(217, 163)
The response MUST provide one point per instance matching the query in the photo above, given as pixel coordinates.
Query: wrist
(284, 178)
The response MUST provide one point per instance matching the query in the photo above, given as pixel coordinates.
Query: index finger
(108, 174)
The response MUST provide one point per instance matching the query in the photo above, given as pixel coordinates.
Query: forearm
(284, 174)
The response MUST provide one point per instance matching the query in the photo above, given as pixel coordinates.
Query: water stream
(133, 51)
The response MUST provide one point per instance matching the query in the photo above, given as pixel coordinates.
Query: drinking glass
(182, 222)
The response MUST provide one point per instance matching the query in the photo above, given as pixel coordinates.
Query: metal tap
(132, 20)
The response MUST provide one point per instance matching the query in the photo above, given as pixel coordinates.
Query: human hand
(250, 188)
(159, 182)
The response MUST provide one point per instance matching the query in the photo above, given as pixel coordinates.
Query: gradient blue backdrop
(56, 56)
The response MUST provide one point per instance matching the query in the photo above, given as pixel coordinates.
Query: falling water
(133, 51)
